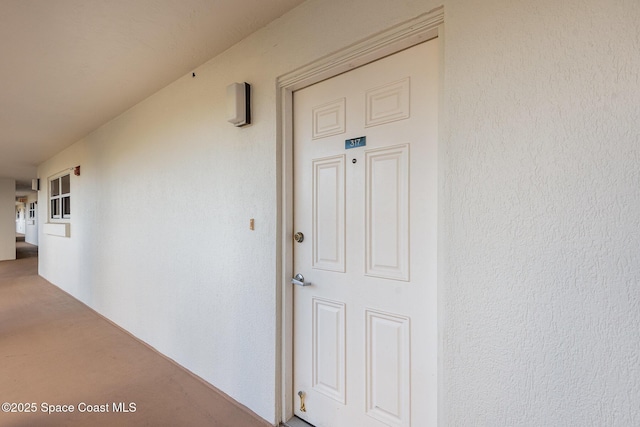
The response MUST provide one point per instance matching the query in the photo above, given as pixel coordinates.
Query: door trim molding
(402, 36)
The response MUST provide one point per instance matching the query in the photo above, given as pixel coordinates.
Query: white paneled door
(365, 208)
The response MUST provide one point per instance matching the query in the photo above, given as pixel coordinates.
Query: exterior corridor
(61, 357)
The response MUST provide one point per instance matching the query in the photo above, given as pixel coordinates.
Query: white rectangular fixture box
(56, 229)
(239, 104)
(35, 184)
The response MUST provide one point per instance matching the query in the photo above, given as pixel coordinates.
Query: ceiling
(69, 66)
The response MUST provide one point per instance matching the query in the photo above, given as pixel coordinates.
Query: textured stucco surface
(7, 219)
(540, 203)
(542, 214)
(160, 240)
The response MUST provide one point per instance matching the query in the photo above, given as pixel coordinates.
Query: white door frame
(420, 29)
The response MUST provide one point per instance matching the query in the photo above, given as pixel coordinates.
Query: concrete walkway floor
(55, 351)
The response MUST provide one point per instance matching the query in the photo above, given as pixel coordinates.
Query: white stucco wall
(543, 213)
(540, 199)
(160, 240)
(7, 219)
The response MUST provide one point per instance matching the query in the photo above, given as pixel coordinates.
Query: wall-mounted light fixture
(239, 104)
(35, 184)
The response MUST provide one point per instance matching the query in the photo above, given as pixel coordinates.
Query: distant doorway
(20, 218)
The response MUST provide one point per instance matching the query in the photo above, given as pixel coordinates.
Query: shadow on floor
(23, 249)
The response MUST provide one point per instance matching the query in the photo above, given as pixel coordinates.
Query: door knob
(298, 237)
(299, 280)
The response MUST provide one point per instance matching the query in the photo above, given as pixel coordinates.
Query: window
(32, 211)
(60, 197)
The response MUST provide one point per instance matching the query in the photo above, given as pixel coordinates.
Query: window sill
(56, 229)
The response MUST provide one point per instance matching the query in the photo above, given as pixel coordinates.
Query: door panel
(387, 212)
(388, 367)
(328, 364)
(365, 332)
(328, 214)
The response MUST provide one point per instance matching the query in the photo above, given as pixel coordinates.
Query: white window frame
(60, 197)
(32, 210)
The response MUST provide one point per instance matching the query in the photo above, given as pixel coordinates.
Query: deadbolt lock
(298, 237)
